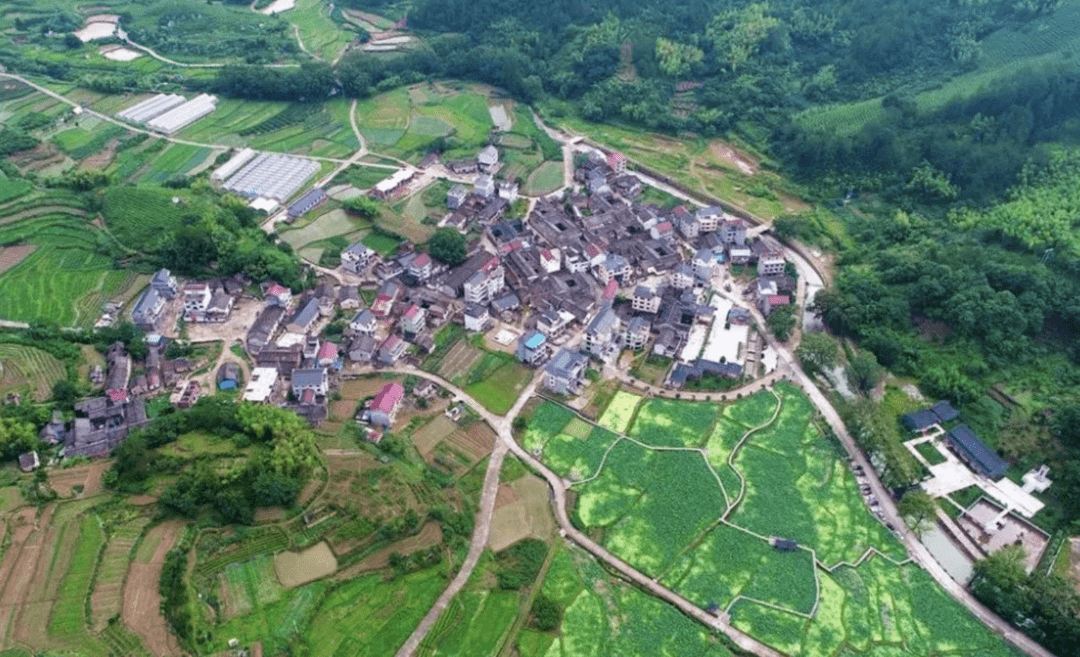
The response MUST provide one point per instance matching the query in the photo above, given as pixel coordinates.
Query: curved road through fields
(789, 365)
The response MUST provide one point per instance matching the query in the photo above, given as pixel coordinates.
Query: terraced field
(25, 368)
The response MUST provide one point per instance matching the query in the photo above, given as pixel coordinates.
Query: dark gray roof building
(975, 453)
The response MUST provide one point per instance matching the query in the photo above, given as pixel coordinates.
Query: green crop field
(176, 160)
(10, 189)
(546, 422)
(25, 368)
(252, 585)
(499, 389)
(576, 457)
(547, 178)
(67, 624)
(405, 122)
(660, 509)
(67, 278)
(137, 216)
(276, 624)
(601, 617)
(371, 616)
(321, 36)
(331, 224)
(619, 411)
(473, 625)
(670, 423)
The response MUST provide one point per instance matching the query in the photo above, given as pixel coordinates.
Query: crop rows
(292, 114)
(121, 642)
(273, 541)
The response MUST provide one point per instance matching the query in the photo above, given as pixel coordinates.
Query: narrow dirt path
(476, 548)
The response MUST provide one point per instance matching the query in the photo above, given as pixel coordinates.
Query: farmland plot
(620, 411)
(23, 367)
(669, 423)
(602, 617)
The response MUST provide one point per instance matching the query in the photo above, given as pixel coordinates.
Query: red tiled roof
(328, 350)
(388, 398)
(779, 300)
(276, 290)
(615, 158)
(307, 397)
(118, 395)
(663, 227)
(422, 260)
(610, 289)
(412, 312)
(494, 261)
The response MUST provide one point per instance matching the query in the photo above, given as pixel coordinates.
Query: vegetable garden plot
(578, 458)
(620, 411)
(730, 562)
(669, 423)
(680, 499)
(547, 421)
(753, 411)
(602, 617)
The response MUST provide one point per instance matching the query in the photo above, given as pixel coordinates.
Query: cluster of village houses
(623, 274)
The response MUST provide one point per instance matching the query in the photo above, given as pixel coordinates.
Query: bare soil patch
(505, 496)
(296, 568)
(477, 440)
(529, 516)
(13, 255)
(734, 158)
(87, 476)
(431, 434)
(142, 601)
(102, 158)
(17, 568)
(429, 536)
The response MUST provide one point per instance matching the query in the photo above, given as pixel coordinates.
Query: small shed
(29, 461)
(785, 544)
(228, 376)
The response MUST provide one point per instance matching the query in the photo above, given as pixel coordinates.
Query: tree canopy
(448, 246)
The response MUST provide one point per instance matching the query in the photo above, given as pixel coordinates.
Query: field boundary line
(771, 605)
(739, 445)
(870, 552)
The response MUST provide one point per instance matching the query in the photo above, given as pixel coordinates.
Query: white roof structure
(239, 159)
(267, 205)
(184, 115)
(273, 176)
(391, 183)
(151, 107)
(261, 385)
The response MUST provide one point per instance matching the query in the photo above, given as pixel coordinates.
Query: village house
(384, 407)
(613, 266)
(637, 333)
(420, 267)
(733, 231)
(484, 186)
(148, 309)
(392, 348)
(315, 379)
(357, 258)
(196, 299)
(564, 374)
(219, 308)
(476, 317)
(770, 256)
(532, 348)
(262, 386)
(488, 158)
(645, 300)
(364, 323)
(708, 219)
(278, 295)
(362, 348)
(385, 298)
(508, 191)
(617, 162)
(266, 324)
(413, 320)
(456, 196)
(305, 316)
(603, 335)
(164, 283)
(327, 355)
(682, 276)
(349, 297)
(101, 424)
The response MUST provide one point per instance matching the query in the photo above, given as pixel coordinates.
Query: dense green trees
(448, 246)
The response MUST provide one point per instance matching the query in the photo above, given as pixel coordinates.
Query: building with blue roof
(532, 348)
